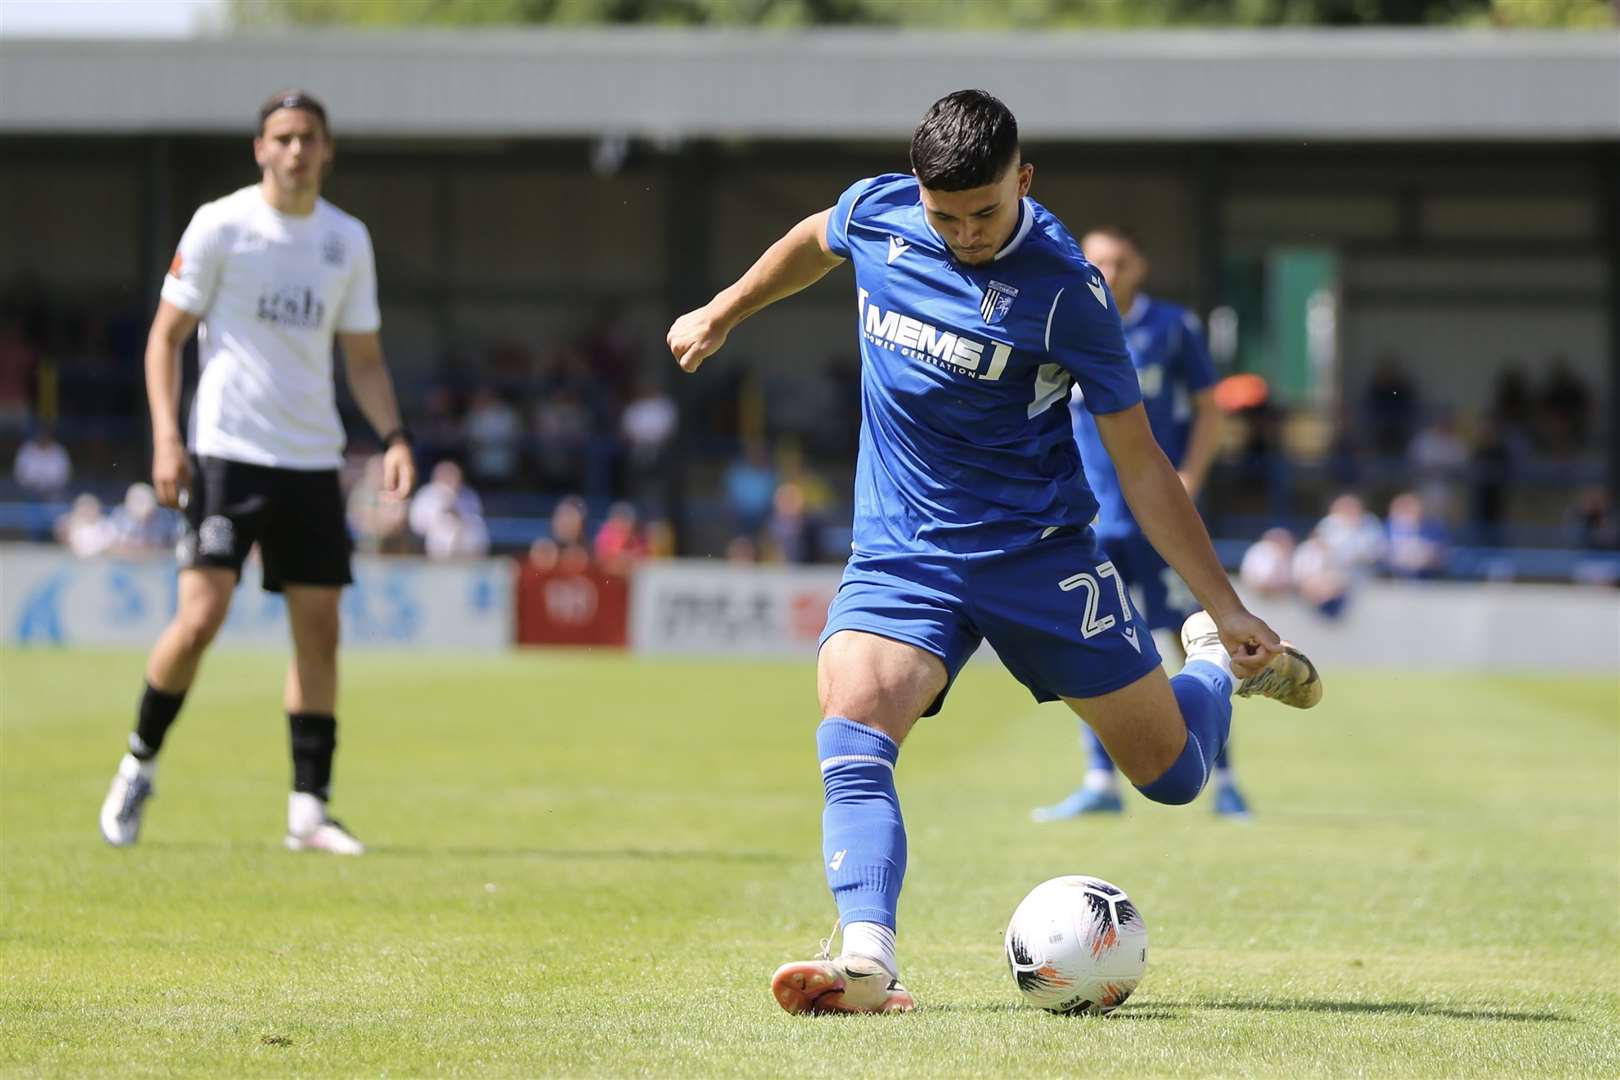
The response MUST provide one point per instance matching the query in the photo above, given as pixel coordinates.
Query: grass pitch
(591, 865)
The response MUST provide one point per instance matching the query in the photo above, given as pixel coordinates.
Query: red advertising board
(566, 607)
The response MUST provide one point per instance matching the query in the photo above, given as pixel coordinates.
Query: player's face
(293, 149)
(978, 222)
(1122, 266)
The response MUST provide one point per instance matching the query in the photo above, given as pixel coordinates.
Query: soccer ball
(1077, 945)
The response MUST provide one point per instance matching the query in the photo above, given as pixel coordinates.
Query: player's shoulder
(879, 196)
(336, 217)
(229, 209)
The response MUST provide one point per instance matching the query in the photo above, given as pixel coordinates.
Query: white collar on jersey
(1026, 221)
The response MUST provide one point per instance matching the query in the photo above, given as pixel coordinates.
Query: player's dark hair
(1123, 233)
(294, 99)
(967, 140)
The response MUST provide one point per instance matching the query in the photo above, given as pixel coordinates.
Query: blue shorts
(1159, 592)
(1056, 612)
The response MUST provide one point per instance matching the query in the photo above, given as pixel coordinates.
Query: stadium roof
(843, 84)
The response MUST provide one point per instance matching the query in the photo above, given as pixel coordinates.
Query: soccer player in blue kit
(972, 517)
(1177, 379)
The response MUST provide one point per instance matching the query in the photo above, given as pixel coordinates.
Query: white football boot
(309, 828)
(1288, 677)
(126, 800)
(839, 984)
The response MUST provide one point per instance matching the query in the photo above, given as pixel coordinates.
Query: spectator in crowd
(42, 467)
(1563, 408)
(83, 530)
(1494, 462)
(446, 489)
(440, 433)
(1353, 535)
(647, 426)
(1268, 565)
(742, 550)
(1437, 456)
(562, 434)
(494, 439)
(1512, 409)
(1320, 578)
(794, 532)
(619, 543)
(17, 363)
(750, 489)
(1591, 522)
(564, 550)
(140, 525)
(1391, 406)
(379, 524)
(1418, 541)
(660, 539)
(454, 535)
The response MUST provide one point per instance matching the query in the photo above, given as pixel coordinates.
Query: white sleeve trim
(845, 759)
(1049, 315)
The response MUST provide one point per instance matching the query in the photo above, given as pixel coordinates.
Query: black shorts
(296, 516)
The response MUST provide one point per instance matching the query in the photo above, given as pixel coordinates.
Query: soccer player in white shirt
(268, 276)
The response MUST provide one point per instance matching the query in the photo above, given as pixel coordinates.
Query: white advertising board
(48, 597)
(717, 608)
(710, 607)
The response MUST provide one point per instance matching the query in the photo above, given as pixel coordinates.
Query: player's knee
(318, 636)
(1172, 791)
(198, 623)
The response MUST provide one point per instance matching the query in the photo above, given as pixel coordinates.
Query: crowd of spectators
(525, 430)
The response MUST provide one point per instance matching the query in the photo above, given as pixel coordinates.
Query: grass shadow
(1146, 1011)
(1376, 1008)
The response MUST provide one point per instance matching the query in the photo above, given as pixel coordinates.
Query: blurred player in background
(1177, 380)
(270, 275)
(972, 516)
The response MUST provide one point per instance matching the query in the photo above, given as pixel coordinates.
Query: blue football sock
(1098, 754)
(1223, 760)
(1204, 692)
(863, 839)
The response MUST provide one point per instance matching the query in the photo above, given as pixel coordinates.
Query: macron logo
(897, 248)
(1130, 636)
(837, 861)
(1096, 287)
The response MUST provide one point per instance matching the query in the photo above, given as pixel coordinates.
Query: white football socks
(305, 812)
(872, 941)
(1103, 780)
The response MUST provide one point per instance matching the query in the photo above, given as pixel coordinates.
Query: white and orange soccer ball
(1077, 945)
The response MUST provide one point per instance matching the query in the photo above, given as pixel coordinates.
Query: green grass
(591, 865)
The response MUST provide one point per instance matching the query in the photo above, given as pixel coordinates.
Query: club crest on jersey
(997, 301)
(332, 250)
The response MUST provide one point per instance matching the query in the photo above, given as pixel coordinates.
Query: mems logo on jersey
(917, 340)
(295, 307)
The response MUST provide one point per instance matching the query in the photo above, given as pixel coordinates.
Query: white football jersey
(271, 289)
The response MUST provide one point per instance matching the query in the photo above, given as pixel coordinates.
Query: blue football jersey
(966, 444)
(1172, 364)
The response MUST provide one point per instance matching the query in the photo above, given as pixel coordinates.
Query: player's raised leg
(311, 701)
(203, 602)
(872, 691)
(1165, 733)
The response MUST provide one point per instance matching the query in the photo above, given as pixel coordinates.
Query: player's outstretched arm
(170, 328)
(797, 261)
(1171, 522)
(373, 390)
